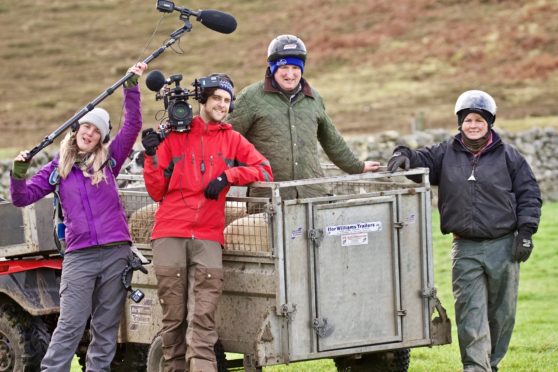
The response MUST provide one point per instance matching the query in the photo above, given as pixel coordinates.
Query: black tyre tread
(220, 356)
(154, 354)
(40, 337)
(387, 361)
(130, 357)
(81, 351)
(27, 335)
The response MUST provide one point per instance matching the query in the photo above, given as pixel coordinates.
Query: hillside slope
(378, 63)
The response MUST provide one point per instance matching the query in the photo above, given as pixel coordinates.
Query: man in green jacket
(284, 117)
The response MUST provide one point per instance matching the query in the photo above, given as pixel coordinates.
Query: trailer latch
(316, 235)
(399, 225)
(270, 209)
(322, 328)
(288, 311)
(429, 292)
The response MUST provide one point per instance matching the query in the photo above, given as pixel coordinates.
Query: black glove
(216, 186)
(522, 246)
(398, 160)
(150, 140)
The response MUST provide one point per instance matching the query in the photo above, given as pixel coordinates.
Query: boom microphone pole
(213, 19)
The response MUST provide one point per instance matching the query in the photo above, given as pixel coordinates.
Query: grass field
(376, 63)
(534, 345)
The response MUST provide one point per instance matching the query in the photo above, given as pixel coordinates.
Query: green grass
(534, 345)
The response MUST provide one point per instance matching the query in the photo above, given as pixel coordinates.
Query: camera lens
(180, 111)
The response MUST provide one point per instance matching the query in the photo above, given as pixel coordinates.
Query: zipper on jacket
(93, 236)
(202, 165)
(474, 164)
(200, 200)
(194, 166)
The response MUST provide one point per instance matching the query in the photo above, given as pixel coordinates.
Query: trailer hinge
(270, 209)
(288, 311)
(401, 312)
(429, 293)
(322, 328)
(316, 235)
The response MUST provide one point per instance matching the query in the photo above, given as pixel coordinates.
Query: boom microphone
(214, 19)
(155, 80)
(217, 21)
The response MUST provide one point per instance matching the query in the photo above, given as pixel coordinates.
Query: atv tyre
(385, 361)
(23, 340)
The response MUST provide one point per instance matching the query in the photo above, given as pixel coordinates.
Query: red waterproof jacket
(177, 175)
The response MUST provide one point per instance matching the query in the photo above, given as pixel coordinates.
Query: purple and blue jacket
(93, 214)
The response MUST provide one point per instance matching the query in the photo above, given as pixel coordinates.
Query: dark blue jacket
(502, 197)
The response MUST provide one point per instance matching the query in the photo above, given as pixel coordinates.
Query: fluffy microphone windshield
(155, 80)
(217, 21)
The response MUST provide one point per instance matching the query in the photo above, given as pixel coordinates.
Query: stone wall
(539, 146)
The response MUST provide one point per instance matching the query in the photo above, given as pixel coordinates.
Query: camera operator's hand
(522, 246)
(150, 140)
(138, 70)
(371, 166)
(216, 186)
(136, 264)
(398, 160)
(21, 165)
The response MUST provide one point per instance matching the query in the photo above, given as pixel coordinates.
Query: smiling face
(288, 77)
(216, 107)
(88, 137)
(474, 126)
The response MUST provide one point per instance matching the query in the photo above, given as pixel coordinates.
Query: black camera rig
(176, 104)
(175, 98)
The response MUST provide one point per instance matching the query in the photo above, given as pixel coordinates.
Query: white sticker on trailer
(410, 219)
(354, 228)
(354, 239)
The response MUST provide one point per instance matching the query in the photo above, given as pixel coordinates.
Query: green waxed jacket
(287, 134)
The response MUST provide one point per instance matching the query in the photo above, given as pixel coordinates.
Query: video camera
(176, 104)
(175, 99)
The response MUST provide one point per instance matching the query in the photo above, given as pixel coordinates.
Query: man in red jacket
(189, 174)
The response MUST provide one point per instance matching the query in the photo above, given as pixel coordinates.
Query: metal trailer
(347, 276)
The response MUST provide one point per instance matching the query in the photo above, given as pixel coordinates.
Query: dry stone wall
(539, 146)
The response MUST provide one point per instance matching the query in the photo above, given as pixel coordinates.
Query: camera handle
(91, 105)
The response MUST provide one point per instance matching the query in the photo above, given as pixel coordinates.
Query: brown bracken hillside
(378, 63)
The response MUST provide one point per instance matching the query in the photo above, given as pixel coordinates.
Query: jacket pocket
(171, 284)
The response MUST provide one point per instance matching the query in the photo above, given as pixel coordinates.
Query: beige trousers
(189, 284)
